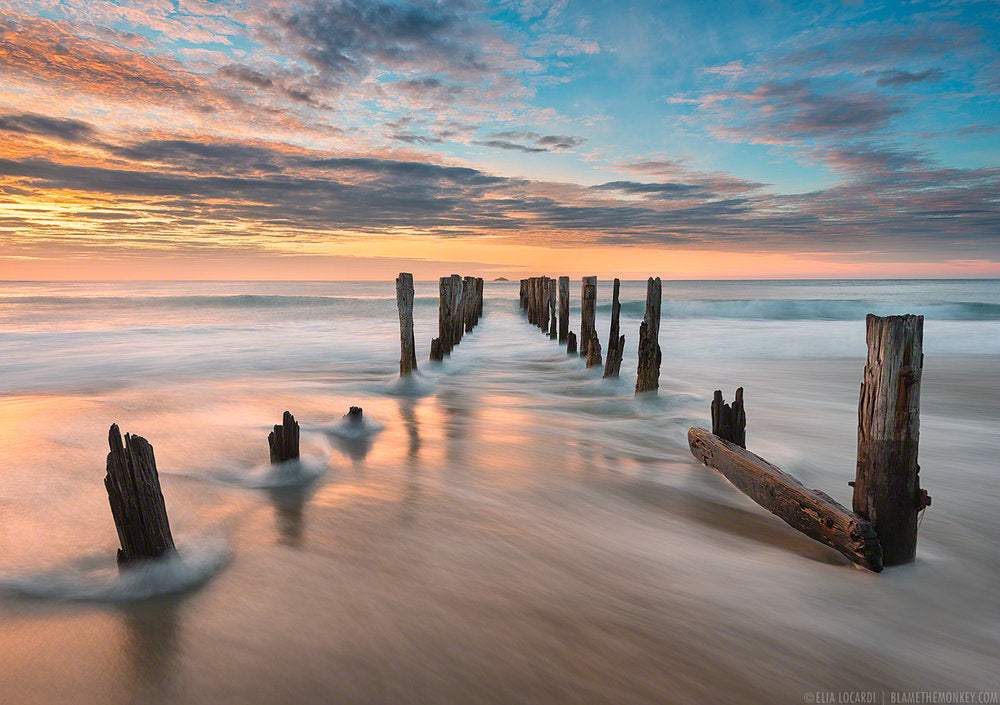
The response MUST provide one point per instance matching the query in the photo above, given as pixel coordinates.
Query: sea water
(507, 527)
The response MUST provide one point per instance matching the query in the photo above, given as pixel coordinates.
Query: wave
(811, 309)
(291, 473)
(192, 565)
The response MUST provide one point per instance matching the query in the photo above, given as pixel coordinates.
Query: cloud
(510, 146)
(245, 74)
(64, 129)
(538, 142)
(895, 78)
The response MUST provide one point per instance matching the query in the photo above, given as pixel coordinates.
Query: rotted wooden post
(404, 302)
(553, 331)
(616, 341)
(543, 304)
(729, 422)
(523, 297)
(437, 353)
(136, 501)
(563, 309)
(468, 305)
(887, 485)
(588, 300)
(444, 302)
(530, 296)
(594, 350)
(479, 298)
(284, 440)
(571, 343)
(648, 377)
(455, 326)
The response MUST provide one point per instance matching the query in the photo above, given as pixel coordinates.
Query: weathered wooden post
(563, 309)
(594, 350)
(524, 298)
(456, 328)
(479, 298)
(530, 296)
(588, 300)
(648, 377)
(444, 301)
(136, 501)
(729, 422)
(616, 341)
(437, 353)
(469, 303)
(404, 302)
(571, 343)
(887, 485)
(284, 440)
(543, 304)
(355, 415)
(553, 331)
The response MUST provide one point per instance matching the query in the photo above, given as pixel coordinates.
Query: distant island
(501, 279)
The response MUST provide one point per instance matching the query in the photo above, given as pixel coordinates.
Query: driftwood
(404, 302)
(136, 501)
(563, 309)
(571, 343)
(588, 300)
(594, 350)
(729, 422)
(887, 485)
(812, 512)
(616, 341)
(284, 440)
(648, 377)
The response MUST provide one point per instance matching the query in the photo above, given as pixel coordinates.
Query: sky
(353, 139)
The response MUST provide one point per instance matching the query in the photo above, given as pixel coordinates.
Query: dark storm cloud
(64, 129)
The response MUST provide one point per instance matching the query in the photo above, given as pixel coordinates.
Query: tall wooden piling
(444, 302)
(456, 327)
(404, 302)
(522, 295)
(648, 377)
(729, 421)
(563, 309)
(616, 341)
(479, 298)
(284, 440)
(887, 485)
(588, 301)
(543, 304)
(553, 332)
(469, 303)
(136, 501)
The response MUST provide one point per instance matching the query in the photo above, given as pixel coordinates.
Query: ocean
(510, 527)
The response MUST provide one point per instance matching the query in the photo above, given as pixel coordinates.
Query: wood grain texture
(404, 303)
(588, 303)
(563, 309)
(648, 374)
(812, 512)
(616, 341)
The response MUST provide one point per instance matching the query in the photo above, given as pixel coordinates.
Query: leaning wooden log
(437, 352)
(284, 440)
(614, 361)
(812, 512)
(594, 350)
(729, 422)
(648, 376)
(136, 501)
(563, 309)
(887, 485)
(571, 343)
(588, 301)
(404, 302)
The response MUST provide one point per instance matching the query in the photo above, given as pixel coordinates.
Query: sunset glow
(341, 139)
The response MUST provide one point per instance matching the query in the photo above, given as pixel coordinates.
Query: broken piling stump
(404, 302)
(812, 512)
(354, 415)
(594, 350)
(729, 422)
(136, 500)
(284, 440)
(616, 341)
(588, 300)
(571, 343)
(563, 309)
(436, 352)
(887, 484)
(648, 376)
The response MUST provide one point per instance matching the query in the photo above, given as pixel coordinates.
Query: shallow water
(513, 528)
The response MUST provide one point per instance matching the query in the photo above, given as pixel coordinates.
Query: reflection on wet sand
(289, 508)
(151, 642)
(411, 494)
